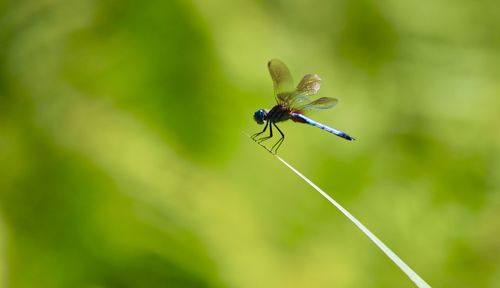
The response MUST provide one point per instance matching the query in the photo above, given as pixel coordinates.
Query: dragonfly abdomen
(296, 117)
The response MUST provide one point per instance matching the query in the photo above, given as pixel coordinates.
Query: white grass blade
(402, 265)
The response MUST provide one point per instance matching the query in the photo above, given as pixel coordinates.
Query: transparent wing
(308, 86)
(282, 79)
(318, 104)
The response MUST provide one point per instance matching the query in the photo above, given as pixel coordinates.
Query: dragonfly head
(260, 116)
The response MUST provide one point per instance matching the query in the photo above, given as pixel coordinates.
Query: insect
(292, 103)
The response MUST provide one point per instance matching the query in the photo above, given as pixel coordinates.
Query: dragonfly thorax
(278, 113)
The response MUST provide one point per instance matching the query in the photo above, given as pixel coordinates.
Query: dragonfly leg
(280, 141)
(257, 134)
(268, 137)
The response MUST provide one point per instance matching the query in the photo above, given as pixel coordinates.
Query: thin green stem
(400, 263)
(395, 258)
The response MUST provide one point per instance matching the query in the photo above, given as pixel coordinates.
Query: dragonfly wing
(297, 98)
(296, 101)
(282, 79)
(309, 85)
(318, 104)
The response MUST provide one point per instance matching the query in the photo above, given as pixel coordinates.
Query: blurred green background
(123, 159)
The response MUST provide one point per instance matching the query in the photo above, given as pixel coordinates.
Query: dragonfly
(292, 104)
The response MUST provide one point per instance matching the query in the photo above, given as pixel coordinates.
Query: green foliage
(123, 162)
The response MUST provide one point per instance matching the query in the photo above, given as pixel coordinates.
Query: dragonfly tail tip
(348, 137)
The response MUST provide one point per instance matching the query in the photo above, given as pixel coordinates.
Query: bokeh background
(124, 160)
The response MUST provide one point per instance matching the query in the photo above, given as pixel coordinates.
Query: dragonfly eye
(260, 116)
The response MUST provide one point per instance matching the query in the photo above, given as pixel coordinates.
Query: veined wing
(308, 86)
(318, 104)
(282, 79)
